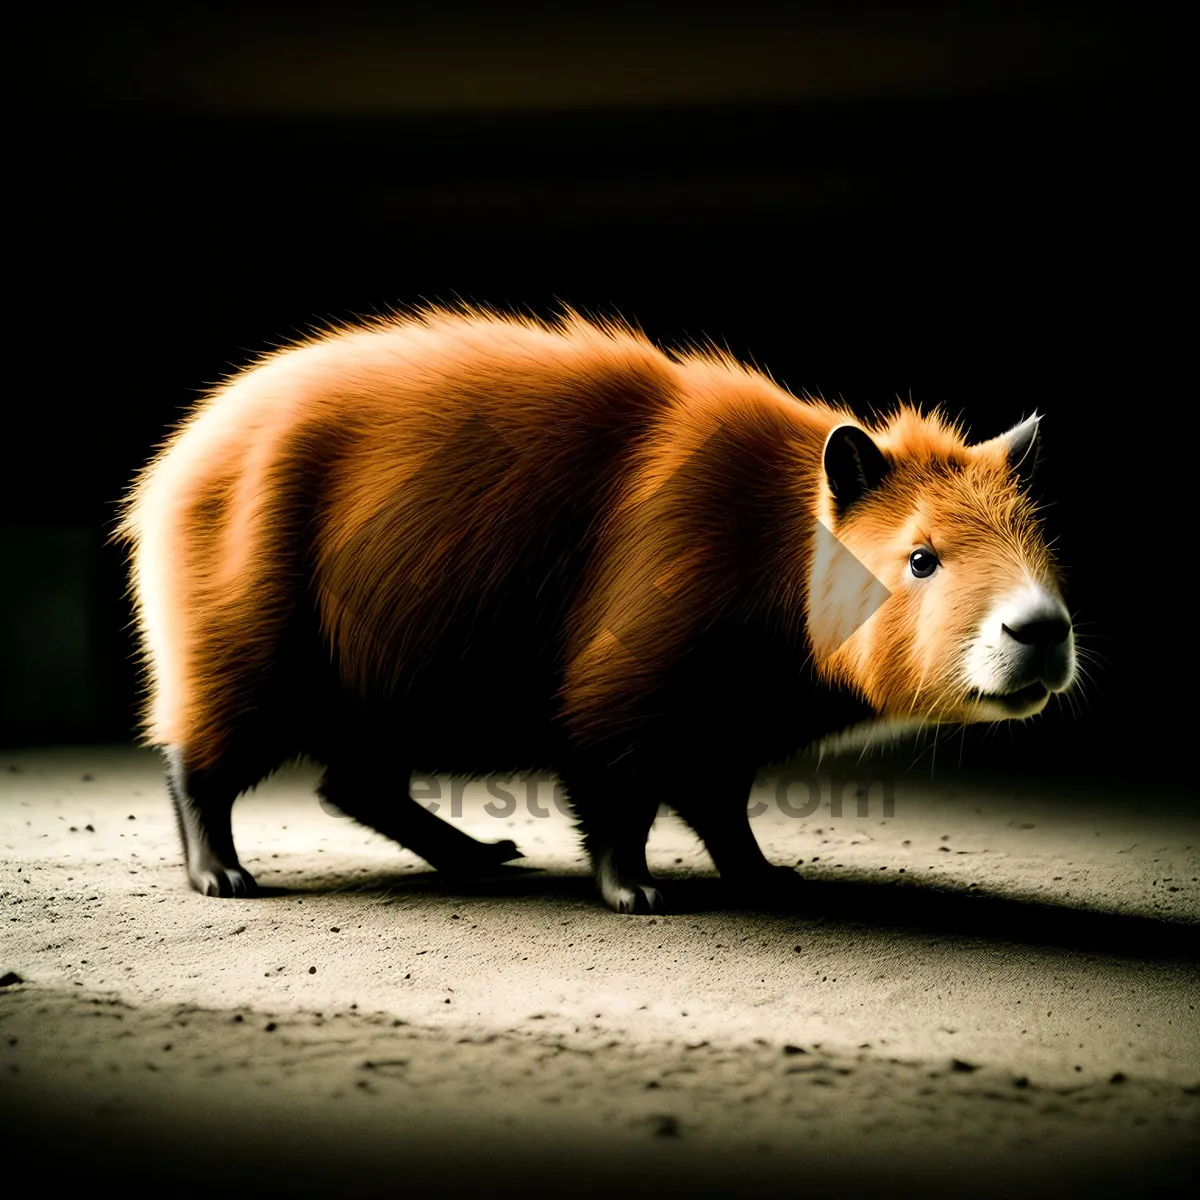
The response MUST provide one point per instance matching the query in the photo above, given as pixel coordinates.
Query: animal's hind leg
(373, 800)
(203, 806)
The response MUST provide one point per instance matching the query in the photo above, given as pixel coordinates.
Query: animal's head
(972, 625)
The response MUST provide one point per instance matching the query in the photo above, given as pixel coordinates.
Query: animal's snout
(1041, 631)
(1024, 649)
(1035, 638)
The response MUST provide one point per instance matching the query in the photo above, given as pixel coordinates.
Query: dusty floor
(989, 991)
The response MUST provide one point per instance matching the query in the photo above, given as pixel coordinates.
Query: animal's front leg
(615, 815)
(717, 808)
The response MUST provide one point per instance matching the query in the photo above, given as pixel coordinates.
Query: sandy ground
(992, 990)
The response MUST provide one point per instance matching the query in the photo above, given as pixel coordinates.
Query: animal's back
(403, 515)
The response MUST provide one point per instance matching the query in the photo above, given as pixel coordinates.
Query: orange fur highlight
(393, 484)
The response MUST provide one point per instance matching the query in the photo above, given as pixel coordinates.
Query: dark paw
(480, 859)
(632, 896)
(227, 882)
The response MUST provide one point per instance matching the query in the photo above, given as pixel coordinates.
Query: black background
(980, 204)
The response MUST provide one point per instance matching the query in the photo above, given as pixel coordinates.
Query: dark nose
(1043, 631)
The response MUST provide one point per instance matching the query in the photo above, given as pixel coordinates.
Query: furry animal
(470, 543)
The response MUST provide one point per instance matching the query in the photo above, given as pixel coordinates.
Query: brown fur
(370, 530)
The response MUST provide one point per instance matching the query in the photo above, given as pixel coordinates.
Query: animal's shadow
(909, 908)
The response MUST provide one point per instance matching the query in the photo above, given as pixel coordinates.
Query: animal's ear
(1019, 448)
(854, 465)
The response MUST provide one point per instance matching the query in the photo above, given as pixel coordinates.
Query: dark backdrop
(981, 205)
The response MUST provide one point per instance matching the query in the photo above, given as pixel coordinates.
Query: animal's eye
(922, 563)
